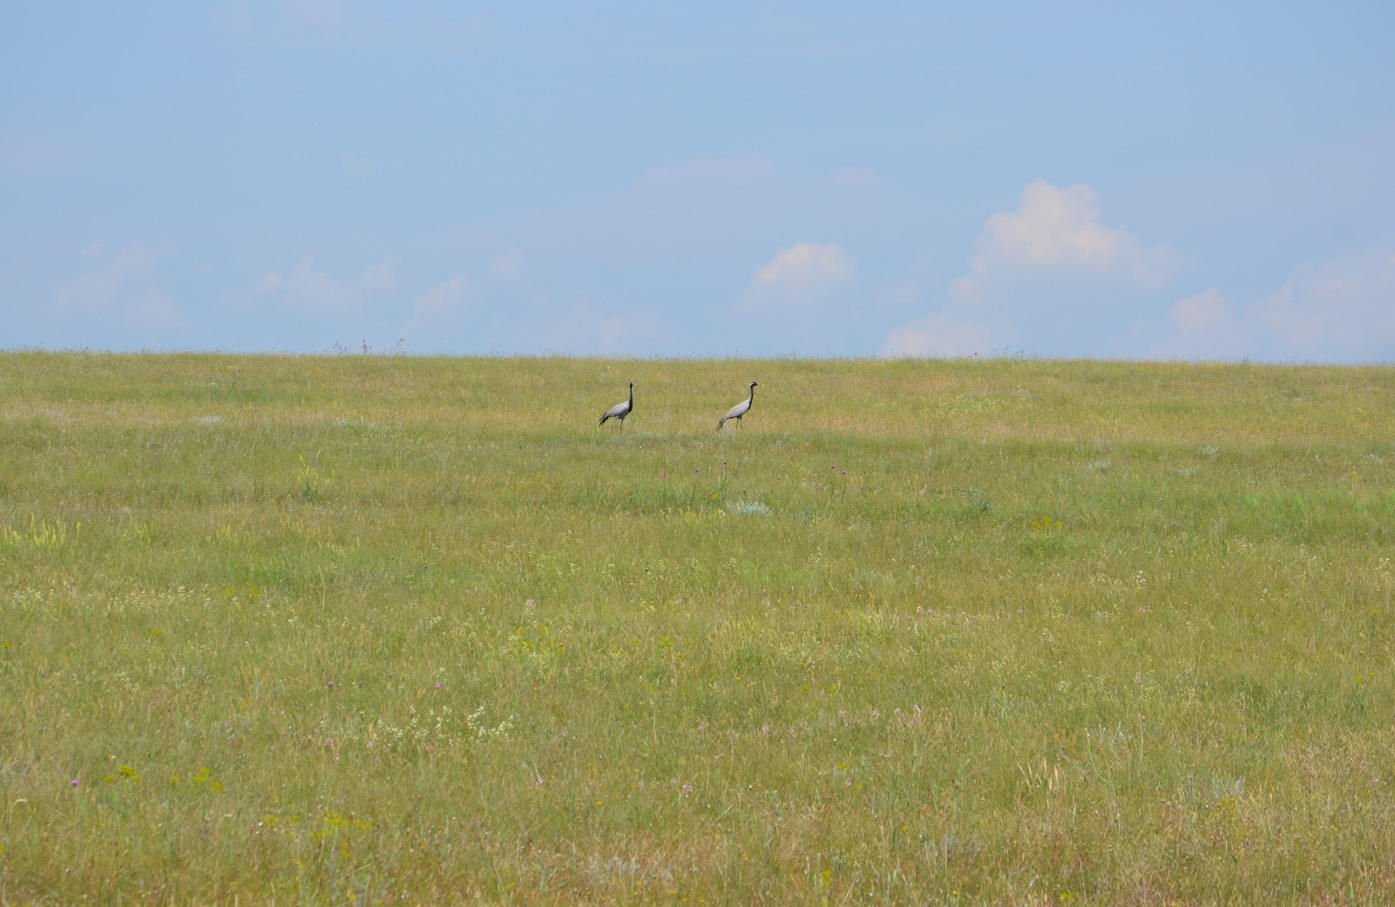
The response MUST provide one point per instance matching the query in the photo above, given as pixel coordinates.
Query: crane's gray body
(621, 410)
(740, 409)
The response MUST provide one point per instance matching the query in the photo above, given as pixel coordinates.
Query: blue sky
(902, 179)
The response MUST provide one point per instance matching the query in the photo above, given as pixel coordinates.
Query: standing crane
(739, 410)
(621, 410)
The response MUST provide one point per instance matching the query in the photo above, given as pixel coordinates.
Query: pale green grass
(362, 630)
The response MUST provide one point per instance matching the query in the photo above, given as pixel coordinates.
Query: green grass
(362, 630)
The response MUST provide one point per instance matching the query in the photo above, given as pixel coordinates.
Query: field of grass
(366, 630)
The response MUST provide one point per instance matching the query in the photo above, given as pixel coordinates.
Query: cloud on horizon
(583, 329)
(1339, 309)
(318, 292)
(507, 268)
(1056, 227)
(124, 275)
(797, 303)
(802, 274)
(123, 303)
(1046, 262)
(440, 305)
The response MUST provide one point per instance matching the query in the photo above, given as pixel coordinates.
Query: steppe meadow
(391, 630)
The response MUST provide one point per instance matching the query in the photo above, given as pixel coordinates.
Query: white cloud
(1056, 227)
(804, 276)
(507, 268)
(705, 167)
(382, 276)
(499, 304)
(124, 274)
(1037, 272)
(1203, 326)
(153, 312)
(934, 336)
(321, 293)
(1341, 309)
(442, 302)
(805, 265)
(1196, 314)
(800, 302)
(1052, 226)
(582, 329)
(124, 293)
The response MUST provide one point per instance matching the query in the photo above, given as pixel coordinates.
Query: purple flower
(75, 782)
(438, 686)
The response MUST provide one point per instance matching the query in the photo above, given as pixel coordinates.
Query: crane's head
(753, 384)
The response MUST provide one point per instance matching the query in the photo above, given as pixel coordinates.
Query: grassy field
(365, 630)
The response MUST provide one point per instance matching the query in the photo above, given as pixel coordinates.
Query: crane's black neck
(632, 395)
